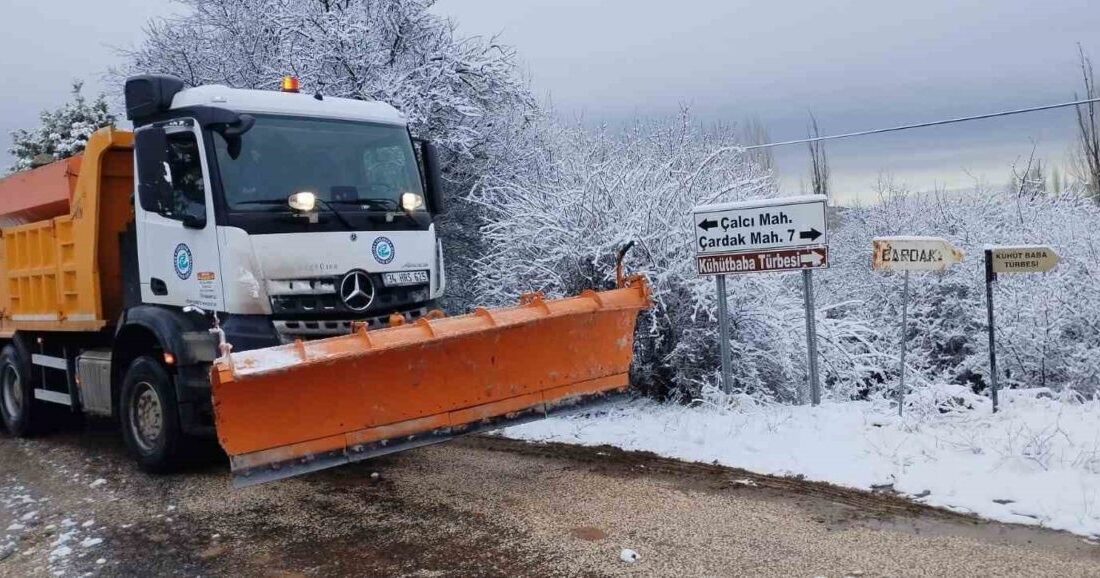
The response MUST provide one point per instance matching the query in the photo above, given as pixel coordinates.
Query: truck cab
(293, 215)
(230, 219)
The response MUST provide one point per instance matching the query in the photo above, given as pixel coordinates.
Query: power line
(922, 125)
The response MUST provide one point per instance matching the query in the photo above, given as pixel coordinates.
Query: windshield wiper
(262, 202)
(339, 215)
(374, 203)
(389, 205)
(320, 201)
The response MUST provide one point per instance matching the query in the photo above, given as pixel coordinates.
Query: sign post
(904, 340)
(759, 236)
(811, 334)
(907, 254)
(1017, 259)
(990, 277)
(724, 334)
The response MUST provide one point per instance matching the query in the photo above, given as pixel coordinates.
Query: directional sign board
(785, 234)
(1023, 259)
(914, 254)
(760, 225)
(763, 261)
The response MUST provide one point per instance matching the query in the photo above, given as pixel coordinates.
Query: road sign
(907, 254)
(759, 236)
(763, 261)
(1015, 259)
(1023, 259)
(760, 225)
(914, 254)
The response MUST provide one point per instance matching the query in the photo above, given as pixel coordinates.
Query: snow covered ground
(1035, 462)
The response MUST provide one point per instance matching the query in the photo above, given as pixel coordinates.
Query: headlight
(303, 202)
(411, 201)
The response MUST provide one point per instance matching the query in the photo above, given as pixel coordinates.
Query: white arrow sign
(763, 224)
(813, 258)
(914, 254)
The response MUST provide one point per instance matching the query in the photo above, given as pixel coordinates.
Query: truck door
(177, 244)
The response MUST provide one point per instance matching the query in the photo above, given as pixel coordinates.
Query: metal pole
(724, 334)
(904, 340)
(811, 334)
(990, 277)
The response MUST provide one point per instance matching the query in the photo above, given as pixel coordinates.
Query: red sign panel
(763, 261)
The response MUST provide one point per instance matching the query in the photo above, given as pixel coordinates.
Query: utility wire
(921, 125)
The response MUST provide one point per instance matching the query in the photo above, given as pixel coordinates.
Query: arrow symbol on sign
(813, 257)
(708, 224)
(812, 234)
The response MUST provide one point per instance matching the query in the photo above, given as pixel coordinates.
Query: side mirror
(433, 178)
(232, 133)
(151, 150)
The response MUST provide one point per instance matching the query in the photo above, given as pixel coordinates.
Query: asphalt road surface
(72, 503)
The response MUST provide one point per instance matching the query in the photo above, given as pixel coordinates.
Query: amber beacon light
(291, 84)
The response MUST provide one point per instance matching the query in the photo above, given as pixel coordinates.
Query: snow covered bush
(557, 227)
(63, 133)
(1048, 325)
(464, 93)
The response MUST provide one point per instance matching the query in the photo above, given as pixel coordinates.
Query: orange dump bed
(286, 410)
(59, 239)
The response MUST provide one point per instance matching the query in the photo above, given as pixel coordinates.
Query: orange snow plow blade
(291, 409)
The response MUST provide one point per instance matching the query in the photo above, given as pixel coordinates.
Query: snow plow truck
(263, 266)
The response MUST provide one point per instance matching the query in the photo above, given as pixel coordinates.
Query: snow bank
(1036, 462)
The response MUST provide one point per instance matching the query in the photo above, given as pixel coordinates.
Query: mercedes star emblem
(356, 290)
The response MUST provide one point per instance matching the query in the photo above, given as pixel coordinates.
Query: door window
(184, 173)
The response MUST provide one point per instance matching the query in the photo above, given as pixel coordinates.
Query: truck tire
(18, 408)
(149, 413)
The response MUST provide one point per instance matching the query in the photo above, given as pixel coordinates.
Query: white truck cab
(292, 215)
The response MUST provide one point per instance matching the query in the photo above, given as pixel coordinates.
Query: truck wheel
(16, 392)
(150, 415)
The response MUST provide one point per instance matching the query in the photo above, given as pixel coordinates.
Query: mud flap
(292, 409)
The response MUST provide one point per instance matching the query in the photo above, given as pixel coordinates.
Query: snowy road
(73, 504)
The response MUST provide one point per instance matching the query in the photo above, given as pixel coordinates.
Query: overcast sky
(856, 63)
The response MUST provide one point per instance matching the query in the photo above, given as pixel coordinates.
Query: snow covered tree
(452, 88)
(464, 93)
(1086, 160)
(1030, 179)
(819, 161)
(63, 132)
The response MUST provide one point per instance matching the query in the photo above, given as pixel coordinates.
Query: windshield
(352, 164)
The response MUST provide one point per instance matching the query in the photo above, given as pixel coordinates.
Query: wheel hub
(146, 416)
(12, 391)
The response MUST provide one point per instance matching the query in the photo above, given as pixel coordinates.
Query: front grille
(304, 304)
(313, 298)
(312, 308)
(290, 329)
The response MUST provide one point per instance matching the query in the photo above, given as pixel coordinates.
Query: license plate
(400, 278)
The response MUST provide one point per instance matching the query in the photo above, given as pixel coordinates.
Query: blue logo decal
(181, 260)
(383, 250)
